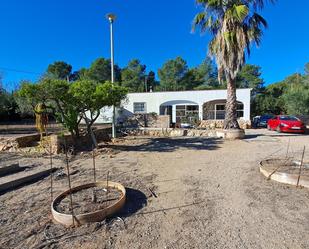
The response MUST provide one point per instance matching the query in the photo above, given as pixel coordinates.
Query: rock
(12, 149)
(60, 175)
(2, 147)
(212, 126)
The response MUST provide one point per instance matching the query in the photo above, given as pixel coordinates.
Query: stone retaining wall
(170, 132)
(28, 140)
(178, 132)
(57, 141)
(147, 120)
(83, 142)
(218, 124)
(11, 144)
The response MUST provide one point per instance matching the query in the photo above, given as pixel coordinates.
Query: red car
(286, 123)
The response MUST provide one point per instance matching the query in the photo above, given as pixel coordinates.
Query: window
(192, 107)
(180, 113)
(288, 118)
(240, 106)
(215, 110)
(186, 113)
(220, 107)
(220, 111)
(139, 107)
(240, 110)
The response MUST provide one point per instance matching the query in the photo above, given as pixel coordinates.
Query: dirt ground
(181, 193)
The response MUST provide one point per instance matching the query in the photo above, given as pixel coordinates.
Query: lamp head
(111, 17)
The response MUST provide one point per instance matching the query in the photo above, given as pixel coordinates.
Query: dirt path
(185, 193)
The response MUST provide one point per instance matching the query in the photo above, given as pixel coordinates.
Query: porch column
(200, 112)
(246, 111)
(173, 113)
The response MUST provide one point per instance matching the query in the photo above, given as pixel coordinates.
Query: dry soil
(181, 193)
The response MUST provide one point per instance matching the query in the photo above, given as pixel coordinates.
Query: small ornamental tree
(31, 94)
(91, 97)
(53, 93)
(73, 102)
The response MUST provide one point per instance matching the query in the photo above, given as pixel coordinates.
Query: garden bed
(83, 200)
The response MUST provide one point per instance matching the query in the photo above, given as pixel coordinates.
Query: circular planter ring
(286, 178)
(99, 215)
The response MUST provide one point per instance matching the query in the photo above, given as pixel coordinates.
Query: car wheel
(278, 129)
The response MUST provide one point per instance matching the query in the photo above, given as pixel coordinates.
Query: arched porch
(181, 111)
(215, 109)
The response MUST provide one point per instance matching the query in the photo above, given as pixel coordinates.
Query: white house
(204, 104)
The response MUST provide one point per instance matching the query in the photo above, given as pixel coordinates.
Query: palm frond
(242, 12)
(199, 20)
(234, 25)
(257, 20)
(205, 22)
(210, 3)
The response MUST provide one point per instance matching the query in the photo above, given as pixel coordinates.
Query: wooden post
(69, 179)
(300, 166)
(285, 162)
(93, 161)
(51, 169)
(107, 186)
(51, 165)
(94, 196)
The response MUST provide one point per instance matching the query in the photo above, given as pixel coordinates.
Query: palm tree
(234, 25)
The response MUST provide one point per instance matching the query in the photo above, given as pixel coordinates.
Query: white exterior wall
(106, 115)
(154, 100)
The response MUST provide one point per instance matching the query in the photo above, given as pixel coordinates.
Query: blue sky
(35, 33)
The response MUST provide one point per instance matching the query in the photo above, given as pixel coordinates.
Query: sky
(35, 33)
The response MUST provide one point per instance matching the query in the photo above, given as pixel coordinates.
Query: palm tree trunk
(230, 121)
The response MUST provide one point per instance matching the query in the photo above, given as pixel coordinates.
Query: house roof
(211, 90)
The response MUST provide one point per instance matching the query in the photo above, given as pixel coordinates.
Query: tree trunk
(230, 121)
(90, 132)
(76, 131)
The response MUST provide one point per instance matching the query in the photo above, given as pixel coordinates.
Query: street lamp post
(146, 79)
(111, 17)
